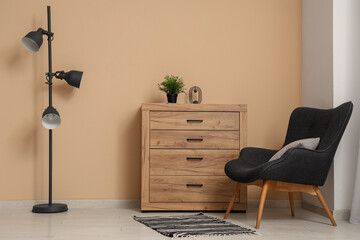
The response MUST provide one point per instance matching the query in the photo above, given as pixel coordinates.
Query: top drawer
(194, 120)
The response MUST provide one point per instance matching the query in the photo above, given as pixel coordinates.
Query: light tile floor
(116, 223)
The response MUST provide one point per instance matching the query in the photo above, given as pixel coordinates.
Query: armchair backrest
(327, 124)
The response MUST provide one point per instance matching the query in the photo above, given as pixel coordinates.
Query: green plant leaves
(172, 85)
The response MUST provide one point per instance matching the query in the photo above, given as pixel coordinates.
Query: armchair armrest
(256, 156)
(299, 165)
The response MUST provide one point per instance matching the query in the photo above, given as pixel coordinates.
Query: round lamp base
(53, 208)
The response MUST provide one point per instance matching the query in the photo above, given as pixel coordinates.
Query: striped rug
(193, 225)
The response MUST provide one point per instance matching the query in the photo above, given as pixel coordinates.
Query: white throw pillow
(308, 143)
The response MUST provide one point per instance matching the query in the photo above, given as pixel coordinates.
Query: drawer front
(195, 139)
(194, 120)
(191, 189)
(190, 162)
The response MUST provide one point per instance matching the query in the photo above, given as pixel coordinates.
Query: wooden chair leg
(262, 202)
(231, 203)
(291, 200)
(323, 203)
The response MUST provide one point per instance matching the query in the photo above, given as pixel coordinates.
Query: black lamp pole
(50, 207)
(50, 76)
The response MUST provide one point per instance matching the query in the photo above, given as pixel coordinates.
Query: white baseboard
(102, 203)
(124, 203)
(337, 214)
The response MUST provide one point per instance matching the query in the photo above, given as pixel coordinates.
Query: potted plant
(172, 85)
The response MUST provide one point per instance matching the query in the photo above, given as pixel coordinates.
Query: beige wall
(239, 51)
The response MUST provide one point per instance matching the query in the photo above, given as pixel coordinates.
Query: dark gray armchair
(298, 169)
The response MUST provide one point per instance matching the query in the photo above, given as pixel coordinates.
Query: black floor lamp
(51, 117)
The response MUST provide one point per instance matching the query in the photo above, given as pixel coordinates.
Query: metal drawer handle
(194, 121)
(194, 158)
(194, 139)
(194, 185)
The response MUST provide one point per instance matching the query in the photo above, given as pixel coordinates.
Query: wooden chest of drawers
(184, 150)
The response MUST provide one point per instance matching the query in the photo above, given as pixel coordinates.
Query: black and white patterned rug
(193, 226)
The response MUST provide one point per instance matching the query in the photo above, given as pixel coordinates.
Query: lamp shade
(73, 78)
(33, 40)
(51, 118)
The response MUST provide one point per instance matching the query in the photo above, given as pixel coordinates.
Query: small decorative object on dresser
(184, 150)
(173, 85)
(195, 95)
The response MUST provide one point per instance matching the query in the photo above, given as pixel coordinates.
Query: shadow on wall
(26, 138)
(38, 158)
(17, 59)
(130, 155)
(63, 89)
(22, 140)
